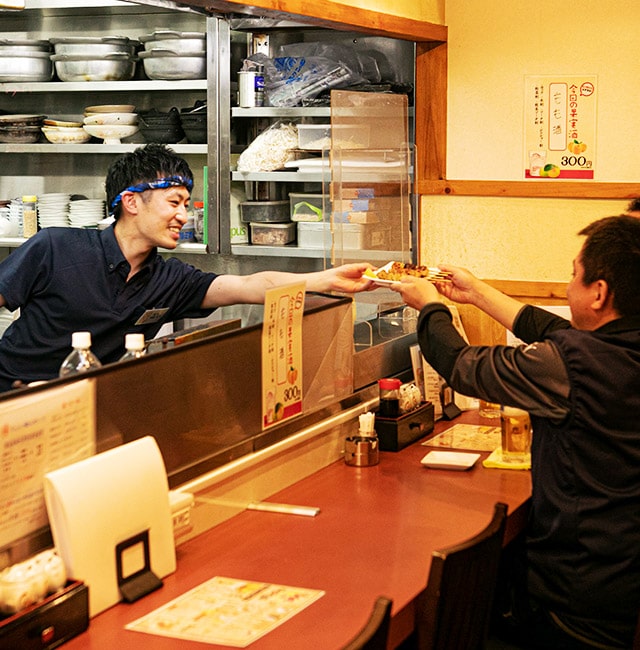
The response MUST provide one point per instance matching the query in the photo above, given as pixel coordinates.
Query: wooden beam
(550, 189)
(329, 14)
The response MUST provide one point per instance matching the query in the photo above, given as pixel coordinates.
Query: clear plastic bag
(270, 150)
(301, 71)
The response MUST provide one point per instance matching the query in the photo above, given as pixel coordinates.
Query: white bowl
(109, 108)
(65, 134)
(111, 133)
(112, 118)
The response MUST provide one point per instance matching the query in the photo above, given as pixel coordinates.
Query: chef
(113, 282)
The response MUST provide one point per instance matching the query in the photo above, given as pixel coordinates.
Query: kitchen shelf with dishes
(57, 57)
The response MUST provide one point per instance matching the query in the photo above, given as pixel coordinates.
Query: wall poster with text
(560, 126)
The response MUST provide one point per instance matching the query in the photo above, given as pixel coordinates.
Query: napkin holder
(49, 623)
(111, 522)
(395, 434)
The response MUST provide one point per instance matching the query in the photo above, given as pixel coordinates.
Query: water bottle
(135, 346)
(81, 357)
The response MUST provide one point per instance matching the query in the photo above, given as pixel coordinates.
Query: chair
(375, 633)
(454, 610)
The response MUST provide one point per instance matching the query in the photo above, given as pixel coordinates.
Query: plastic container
(188, 232)
(81, 359)
(314, 137)
(135, 346)
(29, 216)
(347, 236)
(307, 207)
(198, 220)
(389, 389)
(265, 211)
(273, 234)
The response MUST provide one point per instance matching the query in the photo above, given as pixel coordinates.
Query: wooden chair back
(454, 611)
(375, 633)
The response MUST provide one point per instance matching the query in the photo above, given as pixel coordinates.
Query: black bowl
(196, 135)
(162, 134)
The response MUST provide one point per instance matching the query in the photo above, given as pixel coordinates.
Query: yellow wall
(492, 46)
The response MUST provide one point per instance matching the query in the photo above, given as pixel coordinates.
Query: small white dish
(457, 460)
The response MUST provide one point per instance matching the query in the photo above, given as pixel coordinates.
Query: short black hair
(634, 205)
(143, 165)
(611, 252)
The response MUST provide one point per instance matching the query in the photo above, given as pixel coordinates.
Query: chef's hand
(349, 278)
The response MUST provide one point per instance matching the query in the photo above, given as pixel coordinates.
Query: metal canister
(246, 88)
(361, 451)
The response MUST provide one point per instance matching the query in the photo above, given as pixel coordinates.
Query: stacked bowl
(174, 55)
(160, 126)
(25, 60)
(64, 131)
(194, 123)
(20, 128)
(110, 58)
(111, 122)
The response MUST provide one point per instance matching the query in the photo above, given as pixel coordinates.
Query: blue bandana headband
(160, 184)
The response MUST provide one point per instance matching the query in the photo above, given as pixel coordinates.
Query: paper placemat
(226, 611)
(475, 437)
(495, 460)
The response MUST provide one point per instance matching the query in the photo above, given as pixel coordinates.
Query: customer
(580, 382)
(633, 209)
(114, 281)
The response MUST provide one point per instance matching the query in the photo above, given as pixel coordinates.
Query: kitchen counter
(374, 535)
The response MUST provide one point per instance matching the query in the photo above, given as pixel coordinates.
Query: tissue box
(49, 623)
(395, 434)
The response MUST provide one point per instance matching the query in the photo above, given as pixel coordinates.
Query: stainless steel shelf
(275, 111)
(294, 251)
(14, 242)
(280, 177)
(44, 147)
(136, 85)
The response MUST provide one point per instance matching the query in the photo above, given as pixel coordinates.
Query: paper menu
(227, 611)
(39, 433)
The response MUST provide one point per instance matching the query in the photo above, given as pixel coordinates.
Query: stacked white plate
(86, 213)
(53, 209)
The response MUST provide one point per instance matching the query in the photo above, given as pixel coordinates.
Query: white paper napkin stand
(111, 522)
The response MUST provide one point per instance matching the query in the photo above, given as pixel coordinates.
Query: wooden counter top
(374, 535)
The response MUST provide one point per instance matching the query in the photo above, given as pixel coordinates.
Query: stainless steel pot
(110, 67)
(180, 42)
(19, 46)
(94, 47)
(25, 66)
(166, 64)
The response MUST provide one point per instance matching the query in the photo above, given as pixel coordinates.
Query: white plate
(373, 275)
(458, 460)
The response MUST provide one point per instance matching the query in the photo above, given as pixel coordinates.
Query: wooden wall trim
(326, 13)
(529, 189)
(483, 330)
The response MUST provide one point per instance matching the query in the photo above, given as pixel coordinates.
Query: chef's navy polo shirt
(72, 279)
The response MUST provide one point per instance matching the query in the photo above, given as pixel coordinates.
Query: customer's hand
(461, 286)
(415, 291)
